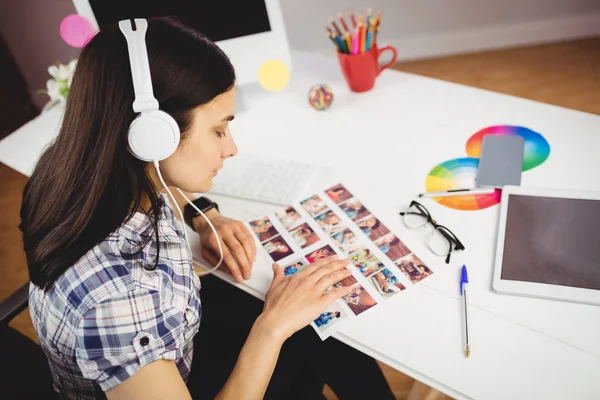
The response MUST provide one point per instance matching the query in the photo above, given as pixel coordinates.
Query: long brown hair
(86, 184)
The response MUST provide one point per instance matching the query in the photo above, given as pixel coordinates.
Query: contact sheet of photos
(336, 222)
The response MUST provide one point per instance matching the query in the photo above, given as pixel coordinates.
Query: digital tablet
(548, 244)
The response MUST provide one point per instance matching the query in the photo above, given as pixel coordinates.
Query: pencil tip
(468, 351)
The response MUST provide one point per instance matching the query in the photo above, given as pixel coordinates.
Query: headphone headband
(140, 70)
(153, 135)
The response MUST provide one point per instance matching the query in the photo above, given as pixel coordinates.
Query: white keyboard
(265, 179)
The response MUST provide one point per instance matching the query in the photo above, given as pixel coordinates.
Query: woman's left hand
(239, 250)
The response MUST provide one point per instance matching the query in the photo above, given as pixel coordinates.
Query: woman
(114, 299)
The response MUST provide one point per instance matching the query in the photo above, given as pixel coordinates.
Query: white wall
(418, 28)
(429, 28)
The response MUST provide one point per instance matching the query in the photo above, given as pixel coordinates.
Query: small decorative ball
(76, 31)
(320, 97)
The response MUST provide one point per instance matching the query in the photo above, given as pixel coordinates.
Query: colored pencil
(335, 43)
(355, 41)
(363, 33)
(353, 19)
(337, 30)
(341, 18)
(348, 42)
(341, 44)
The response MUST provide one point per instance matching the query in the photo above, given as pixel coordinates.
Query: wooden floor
(563, 74)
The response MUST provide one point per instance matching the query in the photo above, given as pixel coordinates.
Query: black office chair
(25, 373)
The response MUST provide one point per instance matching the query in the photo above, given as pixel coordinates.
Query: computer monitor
(250, 32)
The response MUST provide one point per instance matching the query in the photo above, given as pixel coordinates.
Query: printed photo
(372, 227)
(413, 268)
(354, 209)
(304, 235)
(330, 222)
(346, 241)
(277, 248)
(313, 205)
(294, 267)
(392, 246)
(359, 300)
(330, 317)
(366, 262)
(263, 229)
(347, 281)
(386, 283)
(323, 252)
(338, 193)
(289, 217)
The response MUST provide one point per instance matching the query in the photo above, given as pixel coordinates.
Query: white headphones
(153, 135)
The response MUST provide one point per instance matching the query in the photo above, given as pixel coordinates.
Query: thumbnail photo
(263, 229)
(304, 235)
(346, 241)
(366, 262)
(323, 252)
(294, 267)
(289, 217)
(332, 315)
(338, 193)
(413, 268)
(313, 205)
(277, 248)
(330, 222)
(386, 283)
(392, 246)
(354, 209)
(372, 227)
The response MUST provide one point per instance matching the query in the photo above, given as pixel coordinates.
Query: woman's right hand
(293, 303)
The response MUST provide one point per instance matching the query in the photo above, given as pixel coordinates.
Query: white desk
(383, 143)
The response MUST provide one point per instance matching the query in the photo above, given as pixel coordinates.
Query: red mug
(361, 70)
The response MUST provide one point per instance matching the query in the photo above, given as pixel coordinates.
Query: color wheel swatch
(537, 148)
(457, 174)
(461, 172)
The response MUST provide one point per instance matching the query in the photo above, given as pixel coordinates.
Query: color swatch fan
(457, 174)
(460, 173)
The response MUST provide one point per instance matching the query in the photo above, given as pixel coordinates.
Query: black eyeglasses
(442, 241)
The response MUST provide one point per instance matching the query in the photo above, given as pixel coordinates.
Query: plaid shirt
(107, 316)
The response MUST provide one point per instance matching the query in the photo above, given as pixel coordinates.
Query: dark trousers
(305, 363)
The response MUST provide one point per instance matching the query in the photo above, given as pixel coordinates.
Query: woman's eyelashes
(220, 134)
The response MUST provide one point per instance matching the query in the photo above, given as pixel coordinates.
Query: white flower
(53, 90)
(53, 71)
(63, 73)
(71, 65)
(58, 87)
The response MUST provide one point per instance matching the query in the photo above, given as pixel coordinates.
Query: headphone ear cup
(153, 136)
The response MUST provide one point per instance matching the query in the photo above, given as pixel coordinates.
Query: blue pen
(464, 283)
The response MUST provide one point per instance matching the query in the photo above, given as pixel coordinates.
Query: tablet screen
(552, 240)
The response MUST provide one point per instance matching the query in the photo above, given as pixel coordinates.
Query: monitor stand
(240, 103)
(244, 94)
